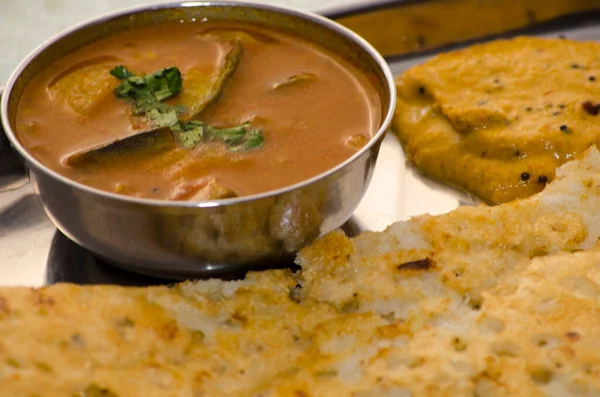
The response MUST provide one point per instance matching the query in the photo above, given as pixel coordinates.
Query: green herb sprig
(148, 92)
(242, 137)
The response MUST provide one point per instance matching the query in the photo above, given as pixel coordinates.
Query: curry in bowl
(197, 111)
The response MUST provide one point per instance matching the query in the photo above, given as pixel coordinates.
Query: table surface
(26, 24)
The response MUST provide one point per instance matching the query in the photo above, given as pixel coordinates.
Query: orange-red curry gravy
(308, 125)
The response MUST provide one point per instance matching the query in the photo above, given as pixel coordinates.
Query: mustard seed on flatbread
(496, 119)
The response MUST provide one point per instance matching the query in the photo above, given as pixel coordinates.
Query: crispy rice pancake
(496, 119)
(483, 301)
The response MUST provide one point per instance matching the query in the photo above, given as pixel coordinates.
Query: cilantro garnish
(242, 137)
(149, 90)
(148, 93)
(254, 139)
(121, 72)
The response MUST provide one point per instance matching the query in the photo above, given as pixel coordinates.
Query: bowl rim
(389, 85)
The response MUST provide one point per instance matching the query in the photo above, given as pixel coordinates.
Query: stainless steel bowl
(213, 238)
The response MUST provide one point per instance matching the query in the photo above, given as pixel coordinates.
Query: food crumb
(541, 375)
(591, 108)
(458, 344)
(573, 336)
(43, 367)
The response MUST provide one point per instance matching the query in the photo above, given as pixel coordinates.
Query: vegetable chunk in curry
(496, 119)
(197, 111)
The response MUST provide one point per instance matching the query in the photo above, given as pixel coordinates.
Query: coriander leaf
(254, 139)
(137, 80)
(165, 118)
(162, 91)
(174, 80)
(123, 90)
(190, 125)
(144, 100)
(148, 91)
(230, 136)
(242, 137)
(190, 133)
(152, 84)
(191, 138)
(121, 72)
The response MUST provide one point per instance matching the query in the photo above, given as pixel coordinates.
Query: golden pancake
(496, 119)
(486, 301)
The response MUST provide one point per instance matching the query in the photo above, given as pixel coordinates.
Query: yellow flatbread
(485, 301)
(496, 119)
